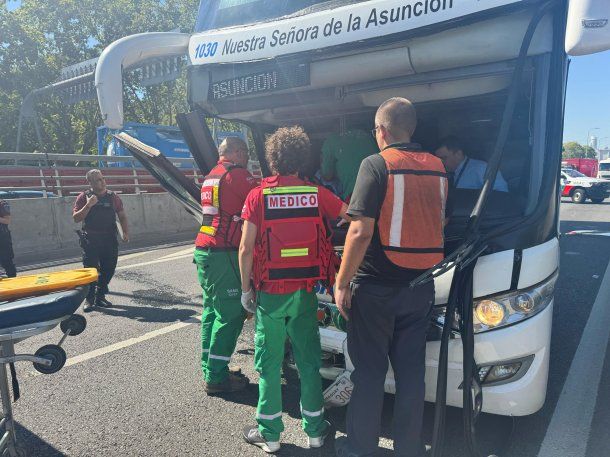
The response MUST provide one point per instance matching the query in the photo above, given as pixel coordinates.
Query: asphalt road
(133, 385)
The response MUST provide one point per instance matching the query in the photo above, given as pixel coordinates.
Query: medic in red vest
(222, 196)
(286, 247)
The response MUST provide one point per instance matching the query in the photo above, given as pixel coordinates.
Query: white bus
(327, 65)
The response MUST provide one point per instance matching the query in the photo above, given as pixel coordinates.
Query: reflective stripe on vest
(412, 215)
(208, 230)
(298, 252)
(210, 199)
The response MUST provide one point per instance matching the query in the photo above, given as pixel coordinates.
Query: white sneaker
(319, 440)
(253, 436)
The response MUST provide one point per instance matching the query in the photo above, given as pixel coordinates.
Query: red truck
(588, 167)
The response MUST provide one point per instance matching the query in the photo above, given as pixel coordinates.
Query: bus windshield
(215, 14)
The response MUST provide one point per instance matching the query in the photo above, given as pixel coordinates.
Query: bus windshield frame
(216, 14)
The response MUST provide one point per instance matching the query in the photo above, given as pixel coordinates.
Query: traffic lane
(585, 212)
(498, 428)
(599, 442)
(583, 260)
(149, 400)
(145, 298)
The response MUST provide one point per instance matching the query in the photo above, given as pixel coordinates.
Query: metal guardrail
(50, 159)
(55, 172)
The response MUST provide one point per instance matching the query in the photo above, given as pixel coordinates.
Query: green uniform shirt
(342, 155)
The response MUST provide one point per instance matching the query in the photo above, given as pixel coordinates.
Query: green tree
(39, 38)
(574, 150)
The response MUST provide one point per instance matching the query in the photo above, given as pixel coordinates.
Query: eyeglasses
(374, 132)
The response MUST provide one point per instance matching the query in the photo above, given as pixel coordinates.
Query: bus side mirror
(588, 27)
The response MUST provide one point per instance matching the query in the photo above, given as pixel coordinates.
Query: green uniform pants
(294, 315)
(223, 316)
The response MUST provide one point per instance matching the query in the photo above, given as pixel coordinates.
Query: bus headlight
(490, 313)
(502, 310)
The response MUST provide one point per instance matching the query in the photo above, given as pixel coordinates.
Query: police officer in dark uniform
(97, 209)
(6, 243)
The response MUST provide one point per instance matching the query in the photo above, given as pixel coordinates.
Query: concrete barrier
(43, 229)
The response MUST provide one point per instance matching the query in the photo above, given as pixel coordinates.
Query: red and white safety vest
(412, 216)
(213, 214)
(295, 238)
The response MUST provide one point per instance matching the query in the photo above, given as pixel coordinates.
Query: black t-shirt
(367, 199)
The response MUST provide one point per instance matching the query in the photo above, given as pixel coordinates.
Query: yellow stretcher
(29, 306)
(45, 283)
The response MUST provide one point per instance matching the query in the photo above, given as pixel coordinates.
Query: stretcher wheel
(54, 353)
(75, 323)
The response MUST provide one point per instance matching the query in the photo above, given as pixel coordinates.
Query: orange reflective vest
(412, 216)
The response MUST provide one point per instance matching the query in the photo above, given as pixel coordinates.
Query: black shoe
(253, 436)
(342, 448)
(233, 383)
(101, 301)
(89, 304)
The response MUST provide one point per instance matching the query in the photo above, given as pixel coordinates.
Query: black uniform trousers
(100, 251)
(6, 254)
(388, 322)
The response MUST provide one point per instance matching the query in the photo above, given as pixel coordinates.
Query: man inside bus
(465, 172)
(342, 155)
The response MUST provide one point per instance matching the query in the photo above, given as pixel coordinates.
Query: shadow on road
(33, 445)
(148, 312)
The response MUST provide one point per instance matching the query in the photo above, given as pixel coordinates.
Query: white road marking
(130, 342)
(568, 432)
(147, 336)
(126, 343)
(152, 262)
(189, 251)
(588, 232)
(131, 256)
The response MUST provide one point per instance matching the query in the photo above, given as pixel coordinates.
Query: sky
(588, 99)
(587, 109)
(13, 4)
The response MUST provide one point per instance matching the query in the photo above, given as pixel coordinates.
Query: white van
(603, 171)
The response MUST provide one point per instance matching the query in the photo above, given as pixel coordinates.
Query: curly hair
(287, 150)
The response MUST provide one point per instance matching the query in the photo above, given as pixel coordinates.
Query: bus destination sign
(357, 21)
(263, 81)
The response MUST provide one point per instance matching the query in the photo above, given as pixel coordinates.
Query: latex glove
(247, 301)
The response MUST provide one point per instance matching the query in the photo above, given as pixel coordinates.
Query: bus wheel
(597, 200)
(579, 195)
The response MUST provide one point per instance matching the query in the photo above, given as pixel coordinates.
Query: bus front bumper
(522, 394)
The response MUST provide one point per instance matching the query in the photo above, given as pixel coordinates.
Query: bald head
(235, 150)
(396, 120)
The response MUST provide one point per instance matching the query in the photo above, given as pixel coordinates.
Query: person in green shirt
(342, 155)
